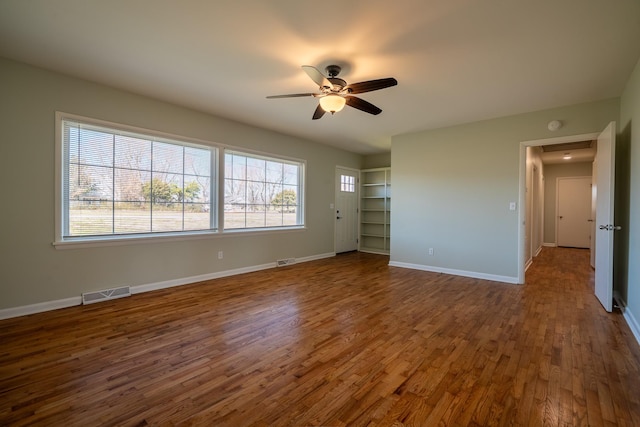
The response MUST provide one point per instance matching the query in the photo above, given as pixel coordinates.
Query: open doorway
(538, 217)
(551, 170)
(605, 171)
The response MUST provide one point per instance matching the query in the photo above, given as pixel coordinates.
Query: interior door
(346, 210)
(574, 212)
(605, 169)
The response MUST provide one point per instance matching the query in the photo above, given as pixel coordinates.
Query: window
(118, 182)
(347, 183)
(261, 192)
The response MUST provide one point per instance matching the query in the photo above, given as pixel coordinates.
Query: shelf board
(375, 186)
(375, 250)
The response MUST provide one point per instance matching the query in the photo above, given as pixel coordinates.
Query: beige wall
(381, 160)
(33, 271)
(627, 260)
(453, 186)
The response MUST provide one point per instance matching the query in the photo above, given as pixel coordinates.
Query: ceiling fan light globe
(332, 103)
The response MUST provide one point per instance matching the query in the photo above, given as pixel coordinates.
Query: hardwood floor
(345, 341)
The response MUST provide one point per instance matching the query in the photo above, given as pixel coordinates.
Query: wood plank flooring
(345, 341)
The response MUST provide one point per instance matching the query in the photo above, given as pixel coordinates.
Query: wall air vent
(107, 294)
(286, 261)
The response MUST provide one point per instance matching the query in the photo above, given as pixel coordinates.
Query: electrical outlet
(220, 254)
(430, 251)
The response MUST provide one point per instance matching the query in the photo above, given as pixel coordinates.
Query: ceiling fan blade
(362, 105)
(292, 95)
(318, 113)
(371, 85)
(317, 76)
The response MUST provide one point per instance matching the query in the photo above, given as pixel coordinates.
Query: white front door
(605, 170)
(346, 210)
(574, 212)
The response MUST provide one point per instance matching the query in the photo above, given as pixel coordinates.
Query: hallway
(593, 354)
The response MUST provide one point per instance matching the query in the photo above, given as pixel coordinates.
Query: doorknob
(610, 227)
(560, 217)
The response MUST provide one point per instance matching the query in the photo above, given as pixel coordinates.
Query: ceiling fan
(334, 93)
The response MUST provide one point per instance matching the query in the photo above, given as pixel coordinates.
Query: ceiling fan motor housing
(332, 75)
(333, 70)
(338, 84)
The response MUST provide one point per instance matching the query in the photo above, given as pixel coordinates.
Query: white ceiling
(456, 61)
(571, 152)
(576, 156)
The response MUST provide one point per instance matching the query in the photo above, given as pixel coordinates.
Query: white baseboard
(210, 276)
(549, 245)
(148, 287)
(628, 316)
(633, 324)
(528, 264)
(316, 257)
(473, 274)
(7, 313)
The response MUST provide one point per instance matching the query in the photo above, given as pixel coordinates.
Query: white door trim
(522, 187)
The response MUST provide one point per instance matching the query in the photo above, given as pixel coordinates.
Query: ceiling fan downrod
(333, 70)
(332, 75)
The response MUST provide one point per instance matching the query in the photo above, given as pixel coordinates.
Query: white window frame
(217, 191)
(347, 185)
(300, 212)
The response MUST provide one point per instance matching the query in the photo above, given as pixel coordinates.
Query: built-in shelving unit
(375, 210)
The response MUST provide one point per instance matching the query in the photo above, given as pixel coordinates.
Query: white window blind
(117, 182)
(262, 192)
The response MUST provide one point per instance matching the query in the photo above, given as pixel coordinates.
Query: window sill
(92, 242)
